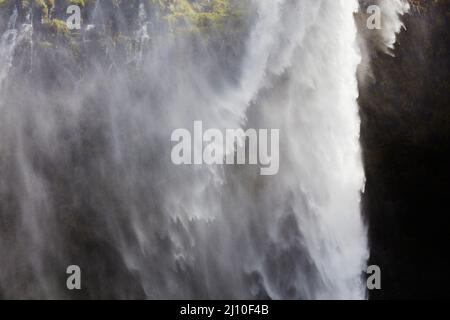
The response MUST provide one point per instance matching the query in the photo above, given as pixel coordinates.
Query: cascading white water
(392, 25)
(300, 73)
(94, 184)
(317, 111)
(7, 46)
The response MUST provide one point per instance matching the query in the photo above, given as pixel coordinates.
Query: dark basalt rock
(405, 111)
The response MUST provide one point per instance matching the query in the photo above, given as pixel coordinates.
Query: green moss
(80, 3)
(207, 16)
(4, 3)
(25, 3)
(44, 6)
(57, 27)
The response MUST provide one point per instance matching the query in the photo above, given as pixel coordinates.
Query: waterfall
(7, 45)
(392, 10)
(86, 176)
(13, 19)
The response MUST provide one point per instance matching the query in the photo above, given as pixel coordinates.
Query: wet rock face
(122, 28)
(122, 16)
(50, 61)
(405, 110)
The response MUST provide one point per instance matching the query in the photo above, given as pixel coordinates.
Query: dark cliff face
(405, 110)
